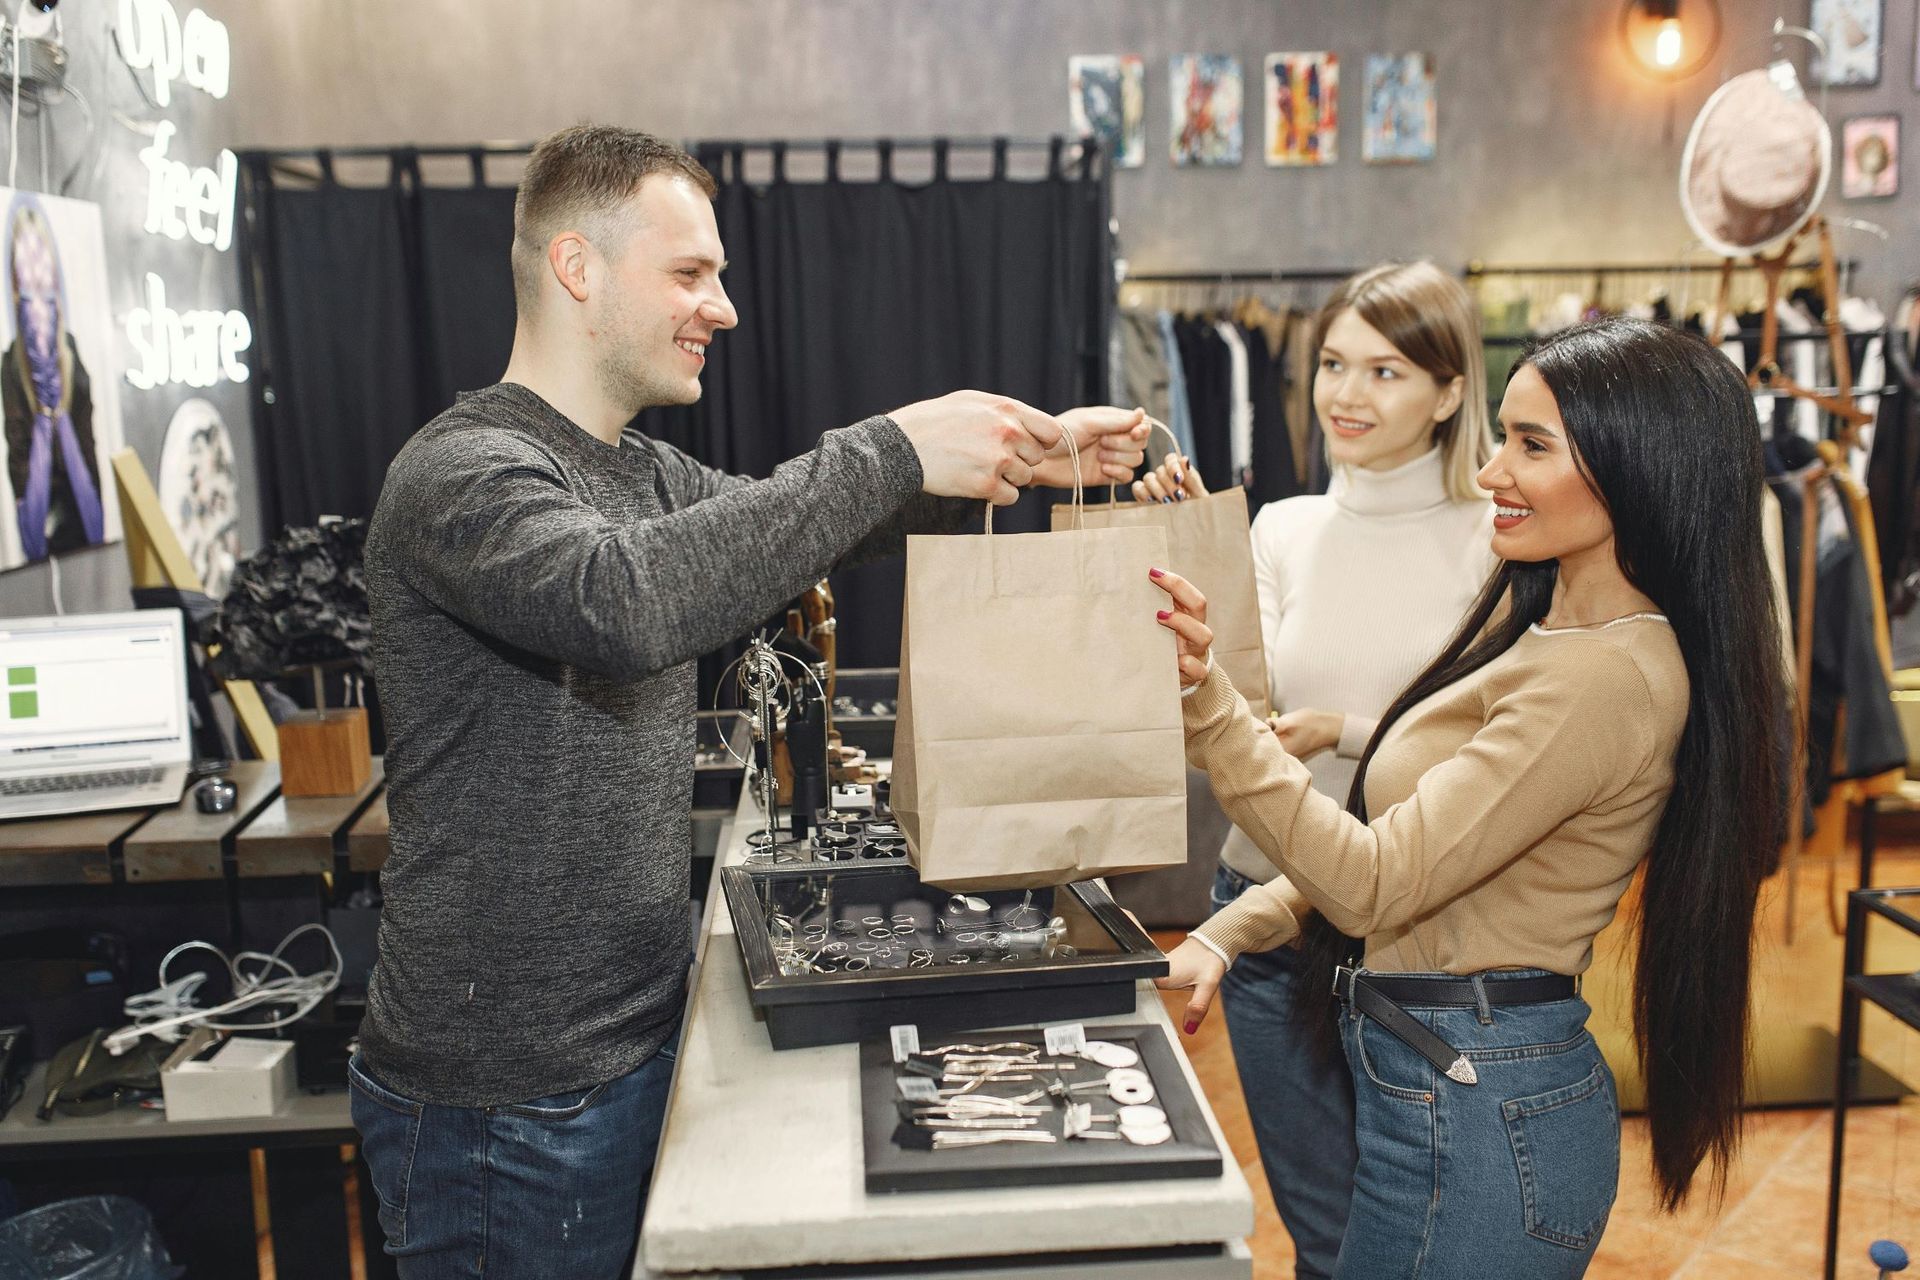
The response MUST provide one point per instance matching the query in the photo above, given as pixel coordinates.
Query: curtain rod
(1477, 269)
(769, 144)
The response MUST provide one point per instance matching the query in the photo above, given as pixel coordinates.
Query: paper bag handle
(1113, 499)
(1079, 495)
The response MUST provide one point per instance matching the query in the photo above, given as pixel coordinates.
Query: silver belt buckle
(1343, 974)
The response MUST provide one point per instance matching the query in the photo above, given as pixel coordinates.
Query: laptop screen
(91, 682)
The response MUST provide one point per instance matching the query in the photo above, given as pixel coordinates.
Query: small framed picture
(1870, 157)
(1106, 98)
(1852, 30)
(1206, 99)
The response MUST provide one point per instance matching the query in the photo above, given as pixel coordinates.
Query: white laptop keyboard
(143, 776)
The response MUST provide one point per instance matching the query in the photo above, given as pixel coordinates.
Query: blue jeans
(1508, 1179)
(1300, 1103)
(551, 1187)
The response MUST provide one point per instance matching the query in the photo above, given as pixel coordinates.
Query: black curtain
(376, 305)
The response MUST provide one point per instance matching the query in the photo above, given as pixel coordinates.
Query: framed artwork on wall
(1401, 120)
(1303, 108)
(1852, 30)
(199, 487)
(1206, 93)
(1107, 99)
(1870, 157)
(59, 387)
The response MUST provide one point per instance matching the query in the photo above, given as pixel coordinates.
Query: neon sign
(153, 38)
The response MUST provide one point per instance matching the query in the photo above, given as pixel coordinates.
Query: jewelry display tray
(999, 983)
(1190, 1153)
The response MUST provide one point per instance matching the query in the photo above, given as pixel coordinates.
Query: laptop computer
(93, 712)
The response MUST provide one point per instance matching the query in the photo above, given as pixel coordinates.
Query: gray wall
(112, 174)
(1551, 147)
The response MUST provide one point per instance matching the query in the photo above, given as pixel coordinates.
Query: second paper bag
(1039, 738)
(1208, 544)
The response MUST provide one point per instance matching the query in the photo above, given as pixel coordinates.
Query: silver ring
(903, 919)
(866, 948)
(966, 937)
(879, 933)
(959, 957)
(859, 964)
(872, 920)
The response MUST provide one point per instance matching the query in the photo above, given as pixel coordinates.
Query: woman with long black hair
(1624, 652)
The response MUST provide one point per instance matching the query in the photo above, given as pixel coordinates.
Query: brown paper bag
(1039, 738)
(1207, 544)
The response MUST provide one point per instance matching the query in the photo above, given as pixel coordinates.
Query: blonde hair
(1429, 316)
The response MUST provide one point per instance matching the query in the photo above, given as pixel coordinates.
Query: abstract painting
(1401, 124)
(1206, 98)
(1303, 108)
(1107, 99)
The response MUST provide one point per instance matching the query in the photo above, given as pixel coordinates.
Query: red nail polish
(1192, 1027)
(1163, 615)
(1155, 573)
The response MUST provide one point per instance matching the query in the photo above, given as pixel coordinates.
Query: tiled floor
(1771, 1223)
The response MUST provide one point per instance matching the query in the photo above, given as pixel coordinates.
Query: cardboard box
(244, 1076)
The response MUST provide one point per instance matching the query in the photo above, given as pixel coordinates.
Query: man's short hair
(580, 179)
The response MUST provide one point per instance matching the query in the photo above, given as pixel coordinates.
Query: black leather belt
(1380, 997)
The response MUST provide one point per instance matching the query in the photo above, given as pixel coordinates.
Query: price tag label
(917, 1088)
(1066, 1040)
(906, 1041)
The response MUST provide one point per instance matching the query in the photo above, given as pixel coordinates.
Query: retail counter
(760, 1167)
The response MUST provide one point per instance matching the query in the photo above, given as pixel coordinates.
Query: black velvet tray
(838, 954)
(1191, 1153)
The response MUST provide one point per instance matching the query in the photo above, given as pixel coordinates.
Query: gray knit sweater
(538, 602)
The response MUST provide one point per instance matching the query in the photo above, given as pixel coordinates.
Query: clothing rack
(1477, 270)
(1311, 275)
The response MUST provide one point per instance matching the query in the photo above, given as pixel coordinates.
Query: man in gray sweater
(542, 580)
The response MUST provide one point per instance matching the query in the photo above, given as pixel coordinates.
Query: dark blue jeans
(1301, 1104)
(1508, 1179)
(550, 1187)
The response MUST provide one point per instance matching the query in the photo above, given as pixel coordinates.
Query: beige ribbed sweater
(1509, 809)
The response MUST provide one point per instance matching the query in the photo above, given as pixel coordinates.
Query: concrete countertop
(760, 1163)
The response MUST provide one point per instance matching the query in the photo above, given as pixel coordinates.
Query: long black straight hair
(1664, 432)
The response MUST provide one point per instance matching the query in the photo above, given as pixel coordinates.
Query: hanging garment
(1866, 327)
(1141, 375)
(1273, 473)
(1801, 359)
(1893, 471)
(1203, 355)
(1300, 359)
(1239, 405)
(1179, 417)
(1848, 667)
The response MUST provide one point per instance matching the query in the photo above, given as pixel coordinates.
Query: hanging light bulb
(1668, 44)
(1670, 39)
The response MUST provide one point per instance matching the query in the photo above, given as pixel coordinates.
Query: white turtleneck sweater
(1359, 588)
